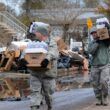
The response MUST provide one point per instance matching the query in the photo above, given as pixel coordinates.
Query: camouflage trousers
(40, 88)
(100, 78)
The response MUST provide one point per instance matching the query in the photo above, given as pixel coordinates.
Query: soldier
(99, 68)
(42, 83)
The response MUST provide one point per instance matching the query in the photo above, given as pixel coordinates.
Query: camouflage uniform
(99, 69)
(109, 69)
(42, 82)
(100, 80)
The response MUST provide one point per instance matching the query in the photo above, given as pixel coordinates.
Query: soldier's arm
(52, 51)
(92, 48)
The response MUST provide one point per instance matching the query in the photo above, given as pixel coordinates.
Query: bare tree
(105, 8)
(2, 7)
(57, 4)
(61, 12)
(65, 17)
(91, 3)
(30, 5)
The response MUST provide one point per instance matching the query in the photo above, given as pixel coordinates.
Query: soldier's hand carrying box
(34, 61)
(35, 53)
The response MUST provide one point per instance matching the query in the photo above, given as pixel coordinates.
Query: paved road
(73, 99)
(77, 99)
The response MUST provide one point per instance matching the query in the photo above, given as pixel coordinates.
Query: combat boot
(99, 102)
(35, 107)
(49, 107)
(105, 102)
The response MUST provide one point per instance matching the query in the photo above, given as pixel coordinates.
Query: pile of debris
(14, 86)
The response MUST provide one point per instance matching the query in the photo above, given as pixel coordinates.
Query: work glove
(44, 63)
(106, 42)
(98, 41)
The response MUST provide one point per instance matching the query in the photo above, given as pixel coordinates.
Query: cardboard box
(103, 33)
(34, 61)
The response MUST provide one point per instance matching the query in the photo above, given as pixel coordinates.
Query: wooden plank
(7, 60)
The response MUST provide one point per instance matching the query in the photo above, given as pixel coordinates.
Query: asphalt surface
(75, 99)
(65, 100)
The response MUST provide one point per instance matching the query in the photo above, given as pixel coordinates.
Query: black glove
(106, 42)
(98, 41)
(44, 63)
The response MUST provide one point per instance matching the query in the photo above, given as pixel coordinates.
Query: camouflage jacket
(99, 52)
(52, 55)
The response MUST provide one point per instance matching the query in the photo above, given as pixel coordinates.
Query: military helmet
(93, 29)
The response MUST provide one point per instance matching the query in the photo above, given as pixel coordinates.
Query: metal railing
(13, 23)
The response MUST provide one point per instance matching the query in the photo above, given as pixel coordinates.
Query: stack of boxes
(102, 25)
